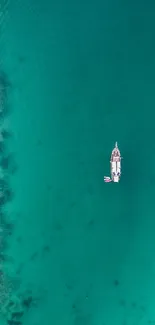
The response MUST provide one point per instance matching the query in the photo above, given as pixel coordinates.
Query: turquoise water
(82, 77)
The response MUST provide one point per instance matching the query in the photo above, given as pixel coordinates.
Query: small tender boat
(115, 163)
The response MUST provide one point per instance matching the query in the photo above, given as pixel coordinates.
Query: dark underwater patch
(6, 134)
(13, 312)
(116, 283)
(21, 59)
(8, 164)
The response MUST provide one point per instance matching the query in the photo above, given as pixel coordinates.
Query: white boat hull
(115, 163)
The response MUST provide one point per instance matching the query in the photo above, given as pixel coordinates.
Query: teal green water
(82, 76)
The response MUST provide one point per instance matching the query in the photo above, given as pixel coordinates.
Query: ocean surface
(80, 75)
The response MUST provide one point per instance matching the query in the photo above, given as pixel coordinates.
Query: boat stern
(116, 179)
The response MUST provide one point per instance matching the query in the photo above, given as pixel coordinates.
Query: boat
(115, 164)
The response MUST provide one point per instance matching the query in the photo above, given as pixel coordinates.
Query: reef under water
(13, 303)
